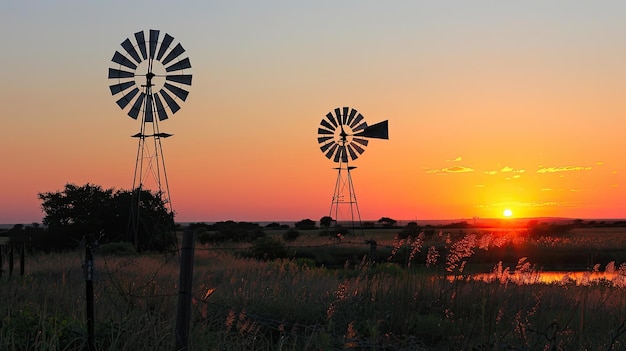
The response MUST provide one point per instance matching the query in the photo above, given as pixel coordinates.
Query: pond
(583, 278)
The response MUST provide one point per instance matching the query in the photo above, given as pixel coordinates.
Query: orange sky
(490, 106)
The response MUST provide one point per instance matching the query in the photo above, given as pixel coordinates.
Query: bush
(266, 248)
(291, 235)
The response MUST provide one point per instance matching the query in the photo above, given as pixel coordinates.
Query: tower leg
(344, 208)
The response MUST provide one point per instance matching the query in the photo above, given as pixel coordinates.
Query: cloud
(455, 160)
(562, 169)
(546, 189)
(505, 169)
(453, 169)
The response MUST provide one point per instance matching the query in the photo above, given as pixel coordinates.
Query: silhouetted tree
(387, 222)
(77, 211)
(305, 224)
(326, 221)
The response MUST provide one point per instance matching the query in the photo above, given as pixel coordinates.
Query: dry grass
(243, 304)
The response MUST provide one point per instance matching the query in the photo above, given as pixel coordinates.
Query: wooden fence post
(184, 292)
(88, 269)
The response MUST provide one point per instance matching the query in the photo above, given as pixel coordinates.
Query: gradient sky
(491, 105)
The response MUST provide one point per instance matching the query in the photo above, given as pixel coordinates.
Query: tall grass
(408, 301)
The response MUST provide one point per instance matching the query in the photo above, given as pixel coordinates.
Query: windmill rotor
(150, 76)
(343, 134)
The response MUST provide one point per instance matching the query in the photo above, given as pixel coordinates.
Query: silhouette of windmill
(343, 137)
(151, 78)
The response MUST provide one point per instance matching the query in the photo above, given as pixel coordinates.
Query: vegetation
(105, 214)
(418, 293)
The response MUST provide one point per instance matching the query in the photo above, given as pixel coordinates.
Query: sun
(507, 213)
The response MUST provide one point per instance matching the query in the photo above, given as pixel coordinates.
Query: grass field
(415, 296)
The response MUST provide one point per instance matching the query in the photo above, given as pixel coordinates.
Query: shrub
(266, 248)
(291, 235)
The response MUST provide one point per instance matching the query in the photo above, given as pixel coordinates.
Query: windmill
(343, 137)
(150, 78)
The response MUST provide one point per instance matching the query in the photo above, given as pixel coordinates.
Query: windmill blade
(332, 119)
(324, 139)
(169, 101)
(154, 39)
(176, 51)
(356, 147)
(181, 93)
(117, 73)
(122, 60)
(338, 115)
(117, 88)
(148, 117)
(141, 42)
(326, 146)
(361, 141)
(339, 154)
(179, 65)
(126, 99)
(331, 151)
(351, 117)
(167, 40)
(359, 127)
(344, 116)
(356, 120)
(134, 111)
(379, 131)
(160, 108)
(353, 154)
(180, 78)
(327, 125)
(130, 49)
(324, 131)
(344, 154)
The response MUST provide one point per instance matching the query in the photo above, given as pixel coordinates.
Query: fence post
(184, 291)
(88, 269)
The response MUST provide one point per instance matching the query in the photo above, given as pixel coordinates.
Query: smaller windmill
(343, 137)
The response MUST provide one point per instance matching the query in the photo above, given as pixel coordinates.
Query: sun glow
(507, 213)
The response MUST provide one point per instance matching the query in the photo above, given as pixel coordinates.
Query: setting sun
(507, 213)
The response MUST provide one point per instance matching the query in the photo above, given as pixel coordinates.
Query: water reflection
(616, 278)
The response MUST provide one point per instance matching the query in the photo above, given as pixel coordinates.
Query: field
(422, 293)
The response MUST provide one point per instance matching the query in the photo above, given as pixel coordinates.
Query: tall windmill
(343, 137)
(151, 79)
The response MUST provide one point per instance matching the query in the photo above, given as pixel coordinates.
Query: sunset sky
(491, 105)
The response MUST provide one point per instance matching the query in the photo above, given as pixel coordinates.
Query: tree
(387, 222)
(305, 224)
(78, 211)
(326, 221)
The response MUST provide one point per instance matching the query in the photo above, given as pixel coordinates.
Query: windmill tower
(343, 137)
(150, 77)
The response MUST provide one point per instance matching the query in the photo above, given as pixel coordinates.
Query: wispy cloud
(458, 159)
(562, 169)
(505, 169)
(453, 169)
